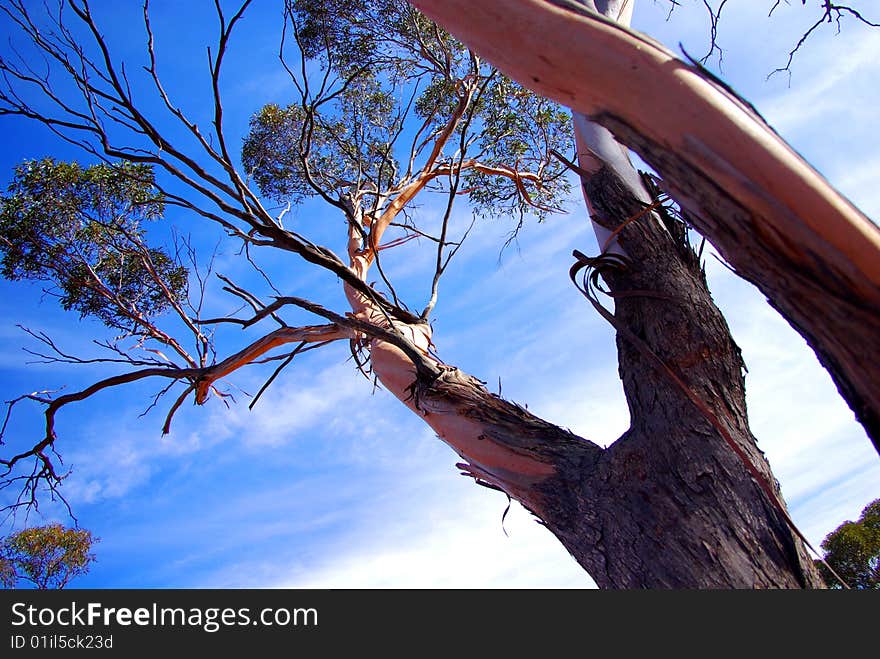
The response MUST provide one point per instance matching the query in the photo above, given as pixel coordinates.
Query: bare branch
(831, 12)
(714, 17)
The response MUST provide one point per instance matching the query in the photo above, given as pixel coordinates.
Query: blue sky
(328, 484)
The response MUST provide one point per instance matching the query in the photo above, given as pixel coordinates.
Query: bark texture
(773, 217)
(673, 504)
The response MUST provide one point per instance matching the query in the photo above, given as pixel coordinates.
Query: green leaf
(853, 551)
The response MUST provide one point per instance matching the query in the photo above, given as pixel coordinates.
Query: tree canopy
(401, 100)
(79, 228)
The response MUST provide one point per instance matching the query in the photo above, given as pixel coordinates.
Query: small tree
(853, 551)
(46, 556)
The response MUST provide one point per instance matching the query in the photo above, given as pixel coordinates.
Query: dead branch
(831, 13)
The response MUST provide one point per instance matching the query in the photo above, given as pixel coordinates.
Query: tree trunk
(670, 504)
(675, 505)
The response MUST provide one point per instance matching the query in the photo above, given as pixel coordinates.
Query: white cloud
(434, 531)
(291, 406)
(463, 550)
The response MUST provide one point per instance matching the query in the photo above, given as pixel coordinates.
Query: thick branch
(773, 217)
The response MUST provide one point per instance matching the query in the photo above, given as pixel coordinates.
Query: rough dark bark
(670, 504)
(798, 282)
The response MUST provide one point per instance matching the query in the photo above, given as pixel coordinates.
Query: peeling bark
(772, 216)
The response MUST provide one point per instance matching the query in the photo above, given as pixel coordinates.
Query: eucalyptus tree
(385, 107)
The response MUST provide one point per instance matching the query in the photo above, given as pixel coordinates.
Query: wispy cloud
(451, 537)
(838, 89)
